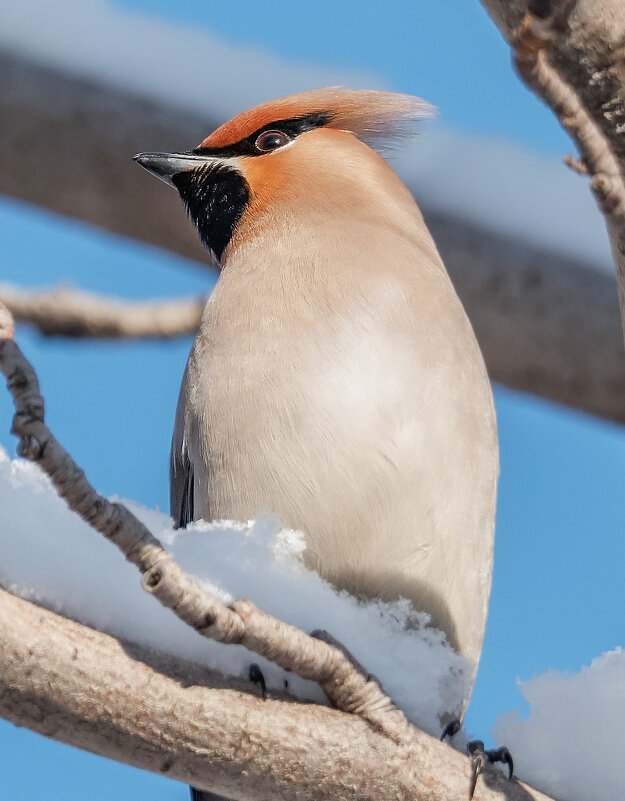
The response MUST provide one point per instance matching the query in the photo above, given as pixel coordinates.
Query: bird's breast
(368, 425)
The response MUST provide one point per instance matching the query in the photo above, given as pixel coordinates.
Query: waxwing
(336, 380)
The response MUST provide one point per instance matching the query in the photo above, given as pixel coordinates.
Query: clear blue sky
(558, 595)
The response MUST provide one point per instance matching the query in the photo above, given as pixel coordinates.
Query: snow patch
(571, 744)
(49, 555)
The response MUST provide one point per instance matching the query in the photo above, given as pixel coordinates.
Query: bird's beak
(166, 165)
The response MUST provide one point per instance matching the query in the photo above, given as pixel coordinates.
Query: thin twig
(318, 658)
(577, 165)
(70, 313)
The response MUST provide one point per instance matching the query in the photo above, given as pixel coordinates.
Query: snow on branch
(130, 703)
(70, 313)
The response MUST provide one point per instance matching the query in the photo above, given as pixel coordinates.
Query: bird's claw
(479, 757)
(256, 677)
(451, 728)
(502, 755)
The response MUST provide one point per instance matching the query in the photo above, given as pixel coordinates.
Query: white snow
(571, 744)
(496, 184)
(48, 554)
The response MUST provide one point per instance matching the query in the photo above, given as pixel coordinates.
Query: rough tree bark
(570, 52)
(162, 714)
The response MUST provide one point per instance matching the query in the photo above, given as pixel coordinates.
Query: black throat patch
(215, 197)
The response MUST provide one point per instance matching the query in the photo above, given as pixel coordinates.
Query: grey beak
(166, 165)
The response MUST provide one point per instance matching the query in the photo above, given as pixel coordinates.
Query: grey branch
(564, 51)
(67, 312)
(148, 709)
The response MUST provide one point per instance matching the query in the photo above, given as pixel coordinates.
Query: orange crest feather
(371, 116)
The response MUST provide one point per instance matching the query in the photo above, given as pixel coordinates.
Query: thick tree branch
(548, 51)
(67, 312)
(157, 712)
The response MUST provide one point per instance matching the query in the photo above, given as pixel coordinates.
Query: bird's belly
(377, 458)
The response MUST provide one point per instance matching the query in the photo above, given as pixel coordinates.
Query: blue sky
(558, 596)
(448, 52)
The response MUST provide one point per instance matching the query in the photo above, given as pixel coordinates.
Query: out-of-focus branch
(546, 322)
(560, 51)
(318, 658)
(67, 312)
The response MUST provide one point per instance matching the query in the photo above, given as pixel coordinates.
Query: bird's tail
(205, 795)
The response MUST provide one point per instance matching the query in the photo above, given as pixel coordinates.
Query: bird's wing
(180, 474)
(181, 489)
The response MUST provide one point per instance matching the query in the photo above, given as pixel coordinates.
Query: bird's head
(278, 153)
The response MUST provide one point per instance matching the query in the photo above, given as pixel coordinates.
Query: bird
(335, 379)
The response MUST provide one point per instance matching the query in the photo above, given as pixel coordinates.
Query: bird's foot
(479, 755)
(256, 677)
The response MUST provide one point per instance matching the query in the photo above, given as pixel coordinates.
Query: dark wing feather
(181, 488)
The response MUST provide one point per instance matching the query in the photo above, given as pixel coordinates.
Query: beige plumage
(335, 379)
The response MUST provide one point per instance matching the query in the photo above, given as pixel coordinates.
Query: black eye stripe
(291, 127)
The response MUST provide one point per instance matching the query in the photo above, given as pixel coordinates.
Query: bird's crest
(375, 117)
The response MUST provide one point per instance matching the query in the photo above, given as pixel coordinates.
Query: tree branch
(548, 57)
(547, 323)
(67, 312)
(163, 714)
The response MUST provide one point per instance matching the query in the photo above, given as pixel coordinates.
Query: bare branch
(536, 42)
(534, 36)
(163, 714)
(577, 165)
(348, 686)
(67, 312)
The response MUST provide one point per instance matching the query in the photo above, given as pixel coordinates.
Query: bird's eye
(271, 140)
